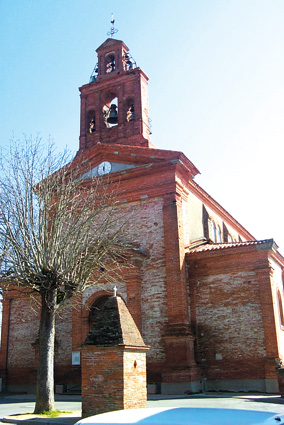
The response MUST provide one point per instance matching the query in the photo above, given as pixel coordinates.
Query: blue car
(184, 416)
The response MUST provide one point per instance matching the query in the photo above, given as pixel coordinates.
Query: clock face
(104, 168)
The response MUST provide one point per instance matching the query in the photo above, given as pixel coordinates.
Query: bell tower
(114, 105)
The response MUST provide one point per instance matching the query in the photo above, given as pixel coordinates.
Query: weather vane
(112, 29)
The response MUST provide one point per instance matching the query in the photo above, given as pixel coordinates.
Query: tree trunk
(45, 373)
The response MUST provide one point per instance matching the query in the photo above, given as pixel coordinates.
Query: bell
(112, 118)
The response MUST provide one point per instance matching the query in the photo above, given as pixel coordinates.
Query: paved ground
(15, 404)
(222, 400)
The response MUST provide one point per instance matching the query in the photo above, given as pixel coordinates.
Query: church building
(206, 296)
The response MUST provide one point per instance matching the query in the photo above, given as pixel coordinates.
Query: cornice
(103, 81)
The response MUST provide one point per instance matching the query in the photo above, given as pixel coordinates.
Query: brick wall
(146, 228)
(228, 315)
(22, 354)
(96, 389)
(229, 323)
(134, 375)
(113, 378)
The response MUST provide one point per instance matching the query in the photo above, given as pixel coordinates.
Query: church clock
(104, 168)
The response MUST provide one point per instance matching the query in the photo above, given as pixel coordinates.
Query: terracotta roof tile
(114, 325)
(205, 247)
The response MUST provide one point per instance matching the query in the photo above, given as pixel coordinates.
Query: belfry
(206, 296)
(114, 105)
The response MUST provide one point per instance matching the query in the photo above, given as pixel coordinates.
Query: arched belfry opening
(109, 62)
(130, 109)
(110, 112)
(116, 96)
(91, 122)
(128, 61)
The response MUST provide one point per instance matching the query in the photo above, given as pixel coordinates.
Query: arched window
(213, 231)
(280, 309)
(97, 307)
(219, 235)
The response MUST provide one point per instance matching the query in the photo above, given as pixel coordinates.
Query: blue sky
(216, 88)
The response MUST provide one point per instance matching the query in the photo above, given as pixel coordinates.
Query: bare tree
(57, 228)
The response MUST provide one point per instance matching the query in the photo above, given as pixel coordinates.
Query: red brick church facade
(206, 296)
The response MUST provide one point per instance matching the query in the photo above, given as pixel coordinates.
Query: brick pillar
(175, 260)
(113, 359)
(264, 275)
(134, 293)
(179, 343)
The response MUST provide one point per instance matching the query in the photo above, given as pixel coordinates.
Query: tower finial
(112, 29)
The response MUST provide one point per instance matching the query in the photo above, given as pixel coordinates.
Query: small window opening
(110, 63)
(130, 113)
(91, 122)
(92, 125)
